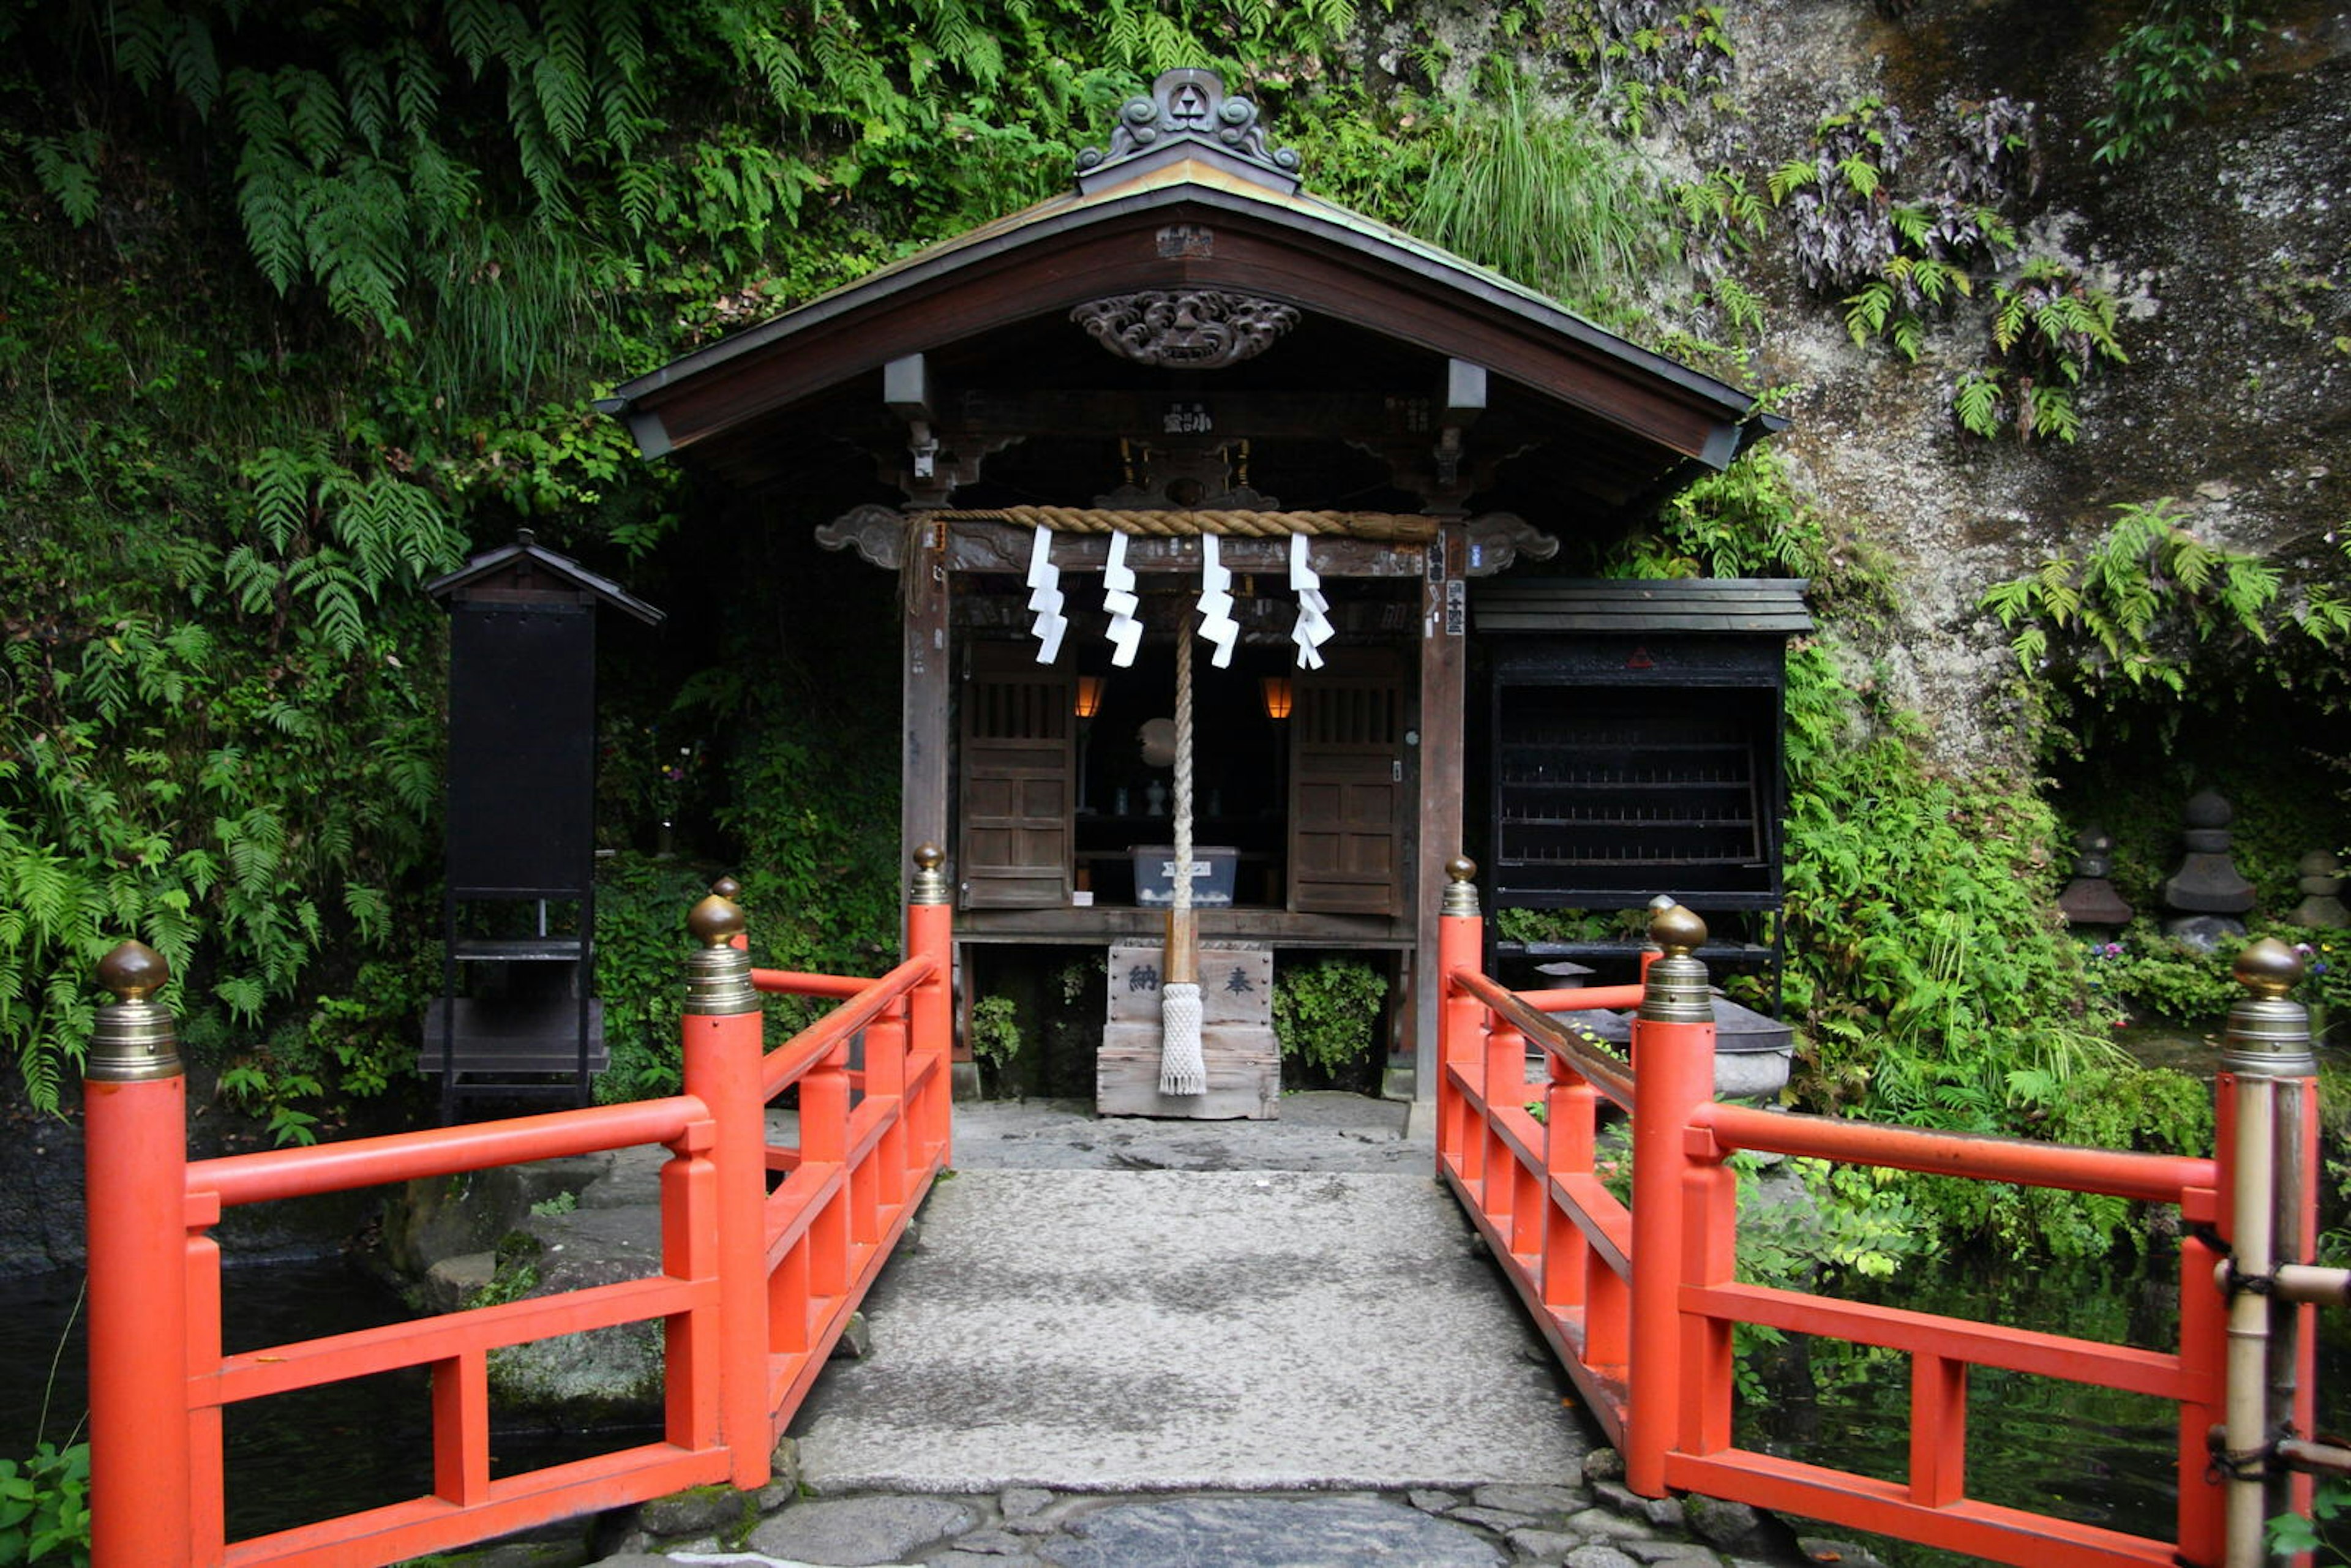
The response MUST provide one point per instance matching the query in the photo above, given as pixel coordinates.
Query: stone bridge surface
(1118, 1343)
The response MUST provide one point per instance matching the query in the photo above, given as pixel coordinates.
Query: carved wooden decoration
(1190, 105)
(876, 533)
(1185, 330)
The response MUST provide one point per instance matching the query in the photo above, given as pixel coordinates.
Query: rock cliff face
(2228, 245)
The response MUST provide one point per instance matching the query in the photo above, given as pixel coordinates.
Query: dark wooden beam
(1443, 664)
(1259, 416)
(923, 776)
(1000, 547)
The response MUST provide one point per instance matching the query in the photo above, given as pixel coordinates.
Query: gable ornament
(1188, 109)
(1186, 329)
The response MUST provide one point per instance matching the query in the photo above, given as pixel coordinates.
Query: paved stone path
(1136, 1344)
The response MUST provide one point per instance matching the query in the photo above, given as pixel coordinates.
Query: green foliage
(2322, 1531)
(1846, 1221)
(1899, 240)
(641, 946)
(2148, 976)
(1543, 196)
(994, 1034)
(2139, 605)
(2051, 330)
(2165, 68)
(515, 1272)
(819, 853)
(1931, 973)
(44, 1506)
(1650, 62)
(1746, 522)
(1327, 1011)
(255, 1091)
(1553, 925)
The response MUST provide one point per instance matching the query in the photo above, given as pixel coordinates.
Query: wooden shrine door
(1018, 763)
(1346, 786)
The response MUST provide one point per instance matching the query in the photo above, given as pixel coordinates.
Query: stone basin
(1752, 1052)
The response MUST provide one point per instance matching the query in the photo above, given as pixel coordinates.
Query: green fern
(66, 167)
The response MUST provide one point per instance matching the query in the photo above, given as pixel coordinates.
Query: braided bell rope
(1183, 1067)
(1184, 768)
(1389, 528)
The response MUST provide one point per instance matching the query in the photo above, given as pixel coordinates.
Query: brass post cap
(133, 971)
(1461, 868)
(715, 922)
(1676, 930)
(727, 888)
(929, 856)
(2268, 968)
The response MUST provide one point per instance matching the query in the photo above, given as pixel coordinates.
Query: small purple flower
(2113, 949)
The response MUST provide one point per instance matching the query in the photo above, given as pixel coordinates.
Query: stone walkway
(1291, 1354)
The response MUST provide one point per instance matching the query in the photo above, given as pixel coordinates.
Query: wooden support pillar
(923, 764)
(1444, 642)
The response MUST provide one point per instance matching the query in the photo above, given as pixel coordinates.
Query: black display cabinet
(1632, 734)
(518, 1014)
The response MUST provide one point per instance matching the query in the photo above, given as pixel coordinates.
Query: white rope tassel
(1182, 1070)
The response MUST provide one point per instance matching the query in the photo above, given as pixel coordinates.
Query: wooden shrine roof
(1381, 314)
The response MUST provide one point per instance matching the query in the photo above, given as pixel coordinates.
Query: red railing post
(1673, 1071)
(930, 1009)
(720, 1039)
(824, 1142)
(1570, 1108)
(1460, 1017)
(134, 1165)
(1504, 1084)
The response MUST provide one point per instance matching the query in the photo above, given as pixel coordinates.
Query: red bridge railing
(1638, 1300)
(765, 1252)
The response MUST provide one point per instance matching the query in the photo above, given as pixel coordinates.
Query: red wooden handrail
(791, 1060)
(753, 1287)
(793, 982)
(1638, 1302)
(2115, 1172)
(306, 1171)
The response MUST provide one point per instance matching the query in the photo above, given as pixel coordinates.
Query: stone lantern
(2207, 895)
(2318, 877)
(2090, 899)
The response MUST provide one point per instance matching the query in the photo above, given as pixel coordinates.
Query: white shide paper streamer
(1119, 600)
(1045, 597)
(1314, 628)
(1216, 622)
